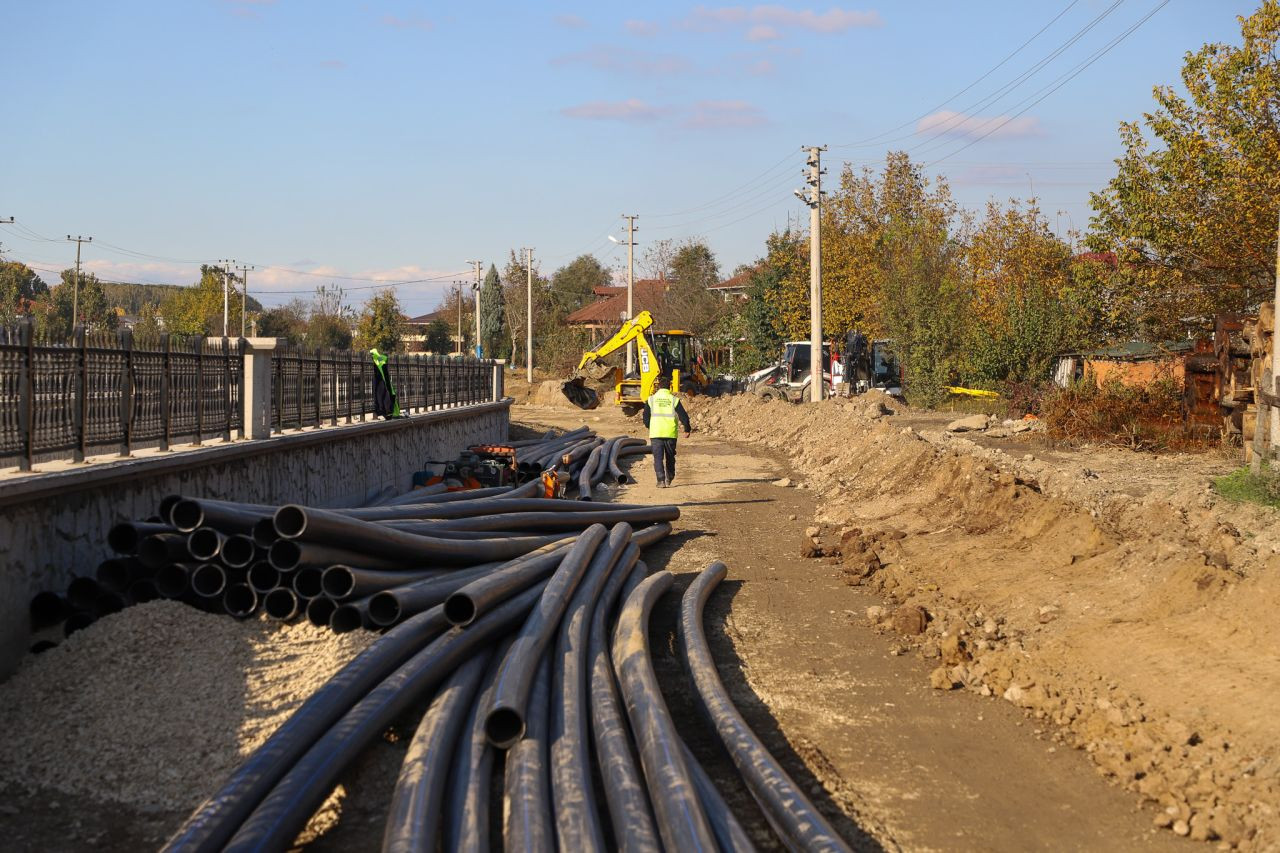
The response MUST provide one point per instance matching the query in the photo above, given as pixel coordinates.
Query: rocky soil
(1109, 595)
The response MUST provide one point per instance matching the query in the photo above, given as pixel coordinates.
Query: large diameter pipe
(796, 821)
(308, 582)
(380, 541)
(577, 816)
(490, 506)
(208, 581)
(190, 514)
(484, 592)
(205, 544)
(414, 819)
(281, 604)
(526, 792)
(351, 616)
(240, 600)
(342, 582)
(320, 610)
(238, 551)
(263, 577)
(174, 580)
(585, 476)
(413, 495)
(284, 812)
(117, 573)
(264, 532)
(392, 605)
(620, 476)
(681, 821)
(123, 538)
(288, 555)
(216, 820)
(160, 549)
(47, 608)
(141, 591)
(505, 720)
(631, 815)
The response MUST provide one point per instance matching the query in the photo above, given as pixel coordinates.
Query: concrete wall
(54, 526)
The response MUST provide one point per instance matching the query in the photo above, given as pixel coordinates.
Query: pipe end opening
(459, 609)
(290, 521)
(504, 727)
(337, 582)
(284, 555)
(345, 619)
(281, 603)
(186, 515)
(384, 609)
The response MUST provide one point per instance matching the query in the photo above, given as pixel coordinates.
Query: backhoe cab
(673, 352)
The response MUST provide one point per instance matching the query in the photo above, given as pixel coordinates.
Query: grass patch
(1243, 486)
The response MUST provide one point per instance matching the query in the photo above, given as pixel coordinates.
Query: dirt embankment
(1129, 610)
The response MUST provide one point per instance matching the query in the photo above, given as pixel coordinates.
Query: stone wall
(53, 526)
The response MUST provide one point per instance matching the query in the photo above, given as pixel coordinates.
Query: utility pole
(475, 288)
(75, 289)
(631, 285)
(244, 293)
(528, 315)
(226, 264)
(8, 221)
(459, 338)
(812, 196)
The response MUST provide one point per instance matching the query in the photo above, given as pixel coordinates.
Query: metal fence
(310, 388)
(104, 389)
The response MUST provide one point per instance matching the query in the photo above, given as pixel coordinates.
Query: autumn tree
(381, 323)
(197, 310)
(515, 284)
(93, 311)
(288, 321)
(1192, 210)
(19, 288)
(330, 319)
(462, 323)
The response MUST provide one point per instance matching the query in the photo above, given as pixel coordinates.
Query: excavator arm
(632, 330)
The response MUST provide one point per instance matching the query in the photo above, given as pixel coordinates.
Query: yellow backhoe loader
(673, 352)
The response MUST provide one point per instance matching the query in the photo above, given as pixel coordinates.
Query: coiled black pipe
(239, 600)
(505, 720)
(681, 821)
(47, 608)
(319, 611)
(123, 538)
(578, 824)
(526, 789)
(414, 820)
(392, 605)
(217, 819)
(160, 549)
(282, 604)
(342, 582)
(788, 810)
(285, 811)
(630, 813)
(263, 577)
(208, 580)
(238, 551)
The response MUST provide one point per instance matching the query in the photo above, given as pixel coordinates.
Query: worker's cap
(663, 381)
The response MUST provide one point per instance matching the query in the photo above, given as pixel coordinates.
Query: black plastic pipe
(190, 514)
(174, 580)
(282, 604)
(77, 620)
(552, 521)
(414, 818)
(288, 555)
(82, 592)
(413, 495)
(160, 549)
(238, 551)
(123, 538)
(342, 582)
(526, 787)
(320, 610)
(285, 811)
(263, 577)
(264, 532)
(116, 573)
(631, 815)
(208, 581)
(239, 600)
(788, 810)
(585, 476)
(486, 591)
(47, 608)
(205, 544)
(217, 819)
(392, 605)
(729, 834)
(505, 721)
(108, 602)
(488, 506)
(308, 582)
(578, 824)
(619, 476)
(351, 616)
(141, 591)
(681, 821)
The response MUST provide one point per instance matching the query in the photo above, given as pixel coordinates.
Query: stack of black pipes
(230, 558)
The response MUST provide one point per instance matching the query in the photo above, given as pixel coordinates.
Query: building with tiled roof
(607, 312)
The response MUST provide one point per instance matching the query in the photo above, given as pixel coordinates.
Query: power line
(751, 184)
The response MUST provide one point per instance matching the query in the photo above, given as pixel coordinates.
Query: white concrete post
(256, 394)
(499, 379)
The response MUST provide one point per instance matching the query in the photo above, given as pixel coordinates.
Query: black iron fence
(102, 390)
(313, 387)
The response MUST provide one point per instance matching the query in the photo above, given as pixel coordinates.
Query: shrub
(1139, 417)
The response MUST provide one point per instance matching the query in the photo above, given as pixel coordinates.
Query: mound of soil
(1132, 612)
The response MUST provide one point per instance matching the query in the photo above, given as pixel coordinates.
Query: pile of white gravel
(155, 705)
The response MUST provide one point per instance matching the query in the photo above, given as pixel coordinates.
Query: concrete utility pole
(244, 293)
(459, 339)
(475, 288)
(631, 285)
(75, 289)
(8, 221)
(813, 198)
(528, 315)
(225, 266)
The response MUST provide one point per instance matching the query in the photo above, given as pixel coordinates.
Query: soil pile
(1137, 623)
(154, 706)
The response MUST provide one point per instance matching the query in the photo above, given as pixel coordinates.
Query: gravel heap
(154, 706)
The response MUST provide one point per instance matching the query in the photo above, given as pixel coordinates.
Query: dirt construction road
(897, 764)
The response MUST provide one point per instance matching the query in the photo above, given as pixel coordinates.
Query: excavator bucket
(579, 394)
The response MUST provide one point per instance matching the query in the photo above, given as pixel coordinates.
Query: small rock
(990, 628)
(791, 517)
(1181, 827)
(784, 482)
(940, 679)
(969, 424)
(910, 620)
(953, 650)
(875, 613)
(812, 532)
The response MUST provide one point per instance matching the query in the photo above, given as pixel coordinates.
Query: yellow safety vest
(662, 414)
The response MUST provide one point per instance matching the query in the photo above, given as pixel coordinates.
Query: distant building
(606, 313)
(415, 334)
(733, 289)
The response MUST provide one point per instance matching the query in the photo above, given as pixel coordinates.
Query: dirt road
(901, 766)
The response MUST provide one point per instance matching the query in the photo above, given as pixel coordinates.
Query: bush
(1139, 417)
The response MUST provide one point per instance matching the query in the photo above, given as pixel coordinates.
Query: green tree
(1192, 209)
(19, 288)
(493, 324)
(688, 303)
(197, 310)
(288, 321)
(381, 323)
(515, 284)
(329, 319)
(438, 337)
(572, 284)
(148, 326)
(94, 312)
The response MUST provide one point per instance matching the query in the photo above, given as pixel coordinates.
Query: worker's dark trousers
(664, 459)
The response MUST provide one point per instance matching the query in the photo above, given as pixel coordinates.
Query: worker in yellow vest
(660, 413)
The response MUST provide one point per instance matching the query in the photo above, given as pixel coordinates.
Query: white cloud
(641, 28)
(951, 123)
(632, 109)
(717, 115)
(768, 21)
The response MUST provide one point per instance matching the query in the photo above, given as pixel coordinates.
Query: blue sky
(328, 141)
